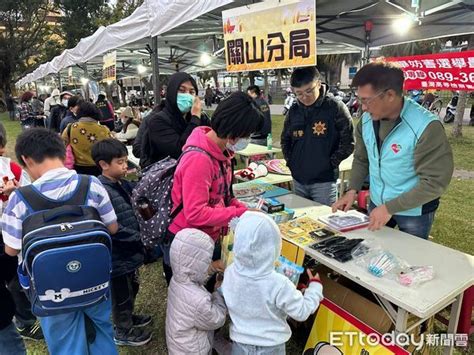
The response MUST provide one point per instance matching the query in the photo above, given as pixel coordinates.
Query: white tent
(188, 28)
(152, 18)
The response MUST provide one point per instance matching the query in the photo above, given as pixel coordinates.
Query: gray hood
(191, 255)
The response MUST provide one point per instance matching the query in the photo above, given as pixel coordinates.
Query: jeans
(11, 342)
(11, 114)
(323, 193)
(66, 333)
(124, 291)
(245, 349)
(419, 226)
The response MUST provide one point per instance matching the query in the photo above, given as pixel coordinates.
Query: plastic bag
(415, 275)
(289, 269)
(377, 261)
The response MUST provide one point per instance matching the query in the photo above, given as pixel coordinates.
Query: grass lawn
(453, 227)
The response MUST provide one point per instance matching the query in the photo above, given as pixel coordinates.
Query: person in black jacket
(137, 143)
(58, 112)
(10, 106)
(110, 155)
(10, 340)
(107, 111)
(260, 137)
(165, 132)
(317, 135)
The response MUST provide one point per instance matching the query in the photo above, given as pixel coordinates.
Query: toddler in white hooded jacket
(257, 297)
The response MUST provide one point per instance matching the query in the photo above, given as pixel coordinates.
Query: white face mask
(64, 102)
(241, 144)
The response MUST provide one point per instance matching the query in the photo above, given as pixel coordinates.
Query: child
(42, 152)
(203, 177)
(10, 340)
(193, 313)
(11, 177)
(252, 287)
(110, 155)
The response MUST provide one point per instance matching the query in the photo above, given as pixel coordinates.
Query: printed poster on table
(109, 66)
(269, 35)
(337, 332)
(442, 71)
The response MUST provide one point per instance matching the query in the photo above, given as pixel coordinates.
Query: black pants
(23, 315)
(87, 170)
(124, 292)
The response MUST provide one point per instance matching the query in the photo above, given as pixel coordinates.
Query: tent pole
(156, 69)
(86, 86)
(59, 82)
(368, 30)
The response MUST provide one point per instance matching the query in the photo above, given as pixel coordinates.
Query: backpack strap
(227, 194)
(228, 190)
(36, 201)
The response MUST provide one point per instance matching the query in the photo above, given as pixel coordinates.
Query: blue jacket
(68, 118)
(392, 164)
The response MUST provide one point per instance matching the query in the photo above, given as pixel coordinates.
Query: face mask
(184, 102)
(241, 144)
(64, 102)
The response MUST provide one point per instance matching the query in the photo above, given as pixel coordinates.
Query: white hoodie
(258, 298)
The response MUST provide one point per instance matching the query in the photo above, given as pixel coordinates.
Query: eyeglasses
(307, 92)
(367, 100)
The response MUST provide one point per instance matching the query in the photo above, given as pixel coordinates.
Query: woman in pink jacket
(203, 178)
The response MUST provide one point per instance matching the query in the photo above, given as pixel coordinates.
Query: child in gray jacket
(192, 313)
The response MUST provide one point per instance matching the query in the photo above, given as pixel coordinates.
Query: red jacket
(16, 170)
(200, 185)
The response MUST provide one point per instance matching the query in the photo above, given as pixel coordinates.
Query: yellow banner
(270, 35)
(109, 67)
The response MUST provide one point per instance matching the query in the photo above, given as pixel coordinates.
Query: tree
(204, 76)
(79, 19)
(331, 65)
(413, 48)
(122, 9)
(461, 107)
(23, 38)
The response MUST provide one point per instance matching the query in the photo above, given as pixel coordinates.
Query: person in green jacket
(403, 149)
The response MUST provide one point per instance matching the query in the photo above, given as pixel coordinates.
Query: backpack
(66, 252)
(70, 158)
(156, 185)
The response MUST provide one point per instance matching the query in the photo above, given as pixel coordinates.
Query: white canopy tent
(152, 18)
(187, 29)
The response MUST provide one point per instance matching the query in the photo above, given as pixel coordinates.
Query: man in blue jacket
(404, 150)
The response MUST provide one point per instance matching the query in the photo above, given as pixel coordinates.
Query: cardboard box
(359, 306)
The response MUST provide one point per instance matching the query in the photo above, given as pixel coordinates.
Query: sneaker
(140, 321)
(134, 337)
(32, 332)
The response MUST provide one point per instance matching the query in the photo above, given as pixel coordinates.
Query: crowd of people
(396, 144)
